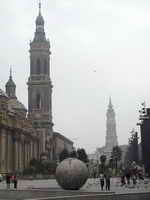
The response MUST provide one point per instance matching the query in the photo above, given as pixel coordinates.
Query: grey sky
(99, 48)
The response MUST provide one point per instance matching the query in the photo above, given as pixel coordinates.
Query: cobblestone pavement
(44, 188)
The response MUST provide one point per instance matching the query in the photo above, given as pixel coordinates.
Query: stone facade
(19, 142)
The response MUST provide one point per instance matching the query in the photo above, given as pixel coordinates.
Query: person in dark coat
(8, 179)
(107, 180)
(15, 182)
(101, 176)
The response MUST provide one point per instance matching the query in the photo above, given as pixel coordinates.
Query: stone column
(0, 151)
(22, 152)
(3, 151)
(9, 152)
(29, 152)
(16, 154)
(20, 155)
(25, 154)
(34, 155)
(31, 157)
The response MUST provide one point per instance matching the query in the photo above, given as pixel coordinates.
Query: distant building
(111, 134)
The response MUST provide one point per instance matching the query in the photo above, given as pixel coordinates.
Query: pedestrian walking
(134, 180)
(15, 182)
(1, 178)
(8, 177)
(123, 182)
(128, 176)
(107, 180)
(101, 176)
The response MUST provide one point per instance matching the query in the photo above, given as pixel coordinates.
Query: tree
(73, 154)
(49, 166)
(116, 155)
(82, 155)
(36, 165)
(133, 148)
(63, 155)
(103, 161)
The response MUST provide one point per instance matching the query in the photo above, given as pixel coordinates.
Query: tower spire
(39, 7)
(39, 33)
(110, 106)
(10, 75)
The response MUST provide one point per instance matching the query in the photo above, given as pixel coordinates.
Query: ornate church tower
(111, 136)
(11, 87)
(40, 88)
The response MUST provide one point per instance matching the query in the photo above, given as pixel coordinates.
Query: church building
(27, 135)
(19, 142)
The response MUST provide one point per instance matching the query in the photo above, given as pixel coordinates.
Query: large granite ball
(71, 174)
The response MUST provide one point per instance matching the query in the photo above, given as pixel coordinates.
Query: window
(45, 66)
(38, 101)
(38, 66)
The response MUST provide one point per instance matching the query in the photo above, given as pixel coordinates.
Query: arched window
(38, 101)
(45, 66)
(38, 66)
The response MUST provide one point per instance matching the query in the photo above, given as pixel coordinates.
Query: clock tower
(40, 88)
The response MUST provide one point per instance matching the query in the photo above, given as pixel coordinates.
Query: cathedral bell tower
(40, 87)
(111, 135)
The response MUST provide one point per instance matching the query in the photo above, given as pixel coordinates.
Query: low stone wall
(135, 196)
(92, 196)
(70, 195)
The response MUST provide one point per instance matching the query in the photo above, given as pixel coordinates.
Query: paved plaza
(47, 189)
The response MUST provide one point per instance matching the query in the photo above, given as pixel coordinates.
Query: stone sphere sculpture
(71, 174)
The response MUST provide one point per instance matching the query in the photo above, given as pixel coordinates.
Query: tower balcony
(38, 77)
(42, 79)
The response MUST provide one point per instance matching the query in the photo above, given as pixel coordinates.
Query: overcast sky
(100, 48)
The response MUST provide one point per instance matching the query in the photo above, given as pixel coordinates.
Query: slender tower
(111, 135)
(40, 87)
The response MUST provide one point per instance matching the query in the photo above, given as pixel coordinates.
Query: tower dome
(11, 87)
(10, 82)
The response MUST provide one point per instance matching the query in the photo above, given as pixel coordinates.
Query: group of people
(131, 174)
(11, 179)
(104, 181)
